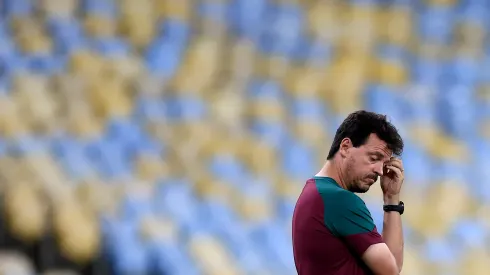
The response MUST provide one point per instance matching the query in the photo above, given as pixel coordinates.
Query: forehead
(374, 143)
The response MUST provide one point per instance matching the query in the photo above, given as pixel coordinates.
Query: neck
(332, 170)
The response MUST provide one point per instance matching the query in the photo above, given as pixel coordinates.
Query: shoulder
(345, 213)
(340, 199)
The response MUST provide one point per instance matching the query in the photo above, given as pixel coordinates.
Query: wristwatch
(400, 208)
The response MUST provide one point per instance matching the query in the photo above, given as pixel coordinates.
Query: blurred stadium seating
(174, 136)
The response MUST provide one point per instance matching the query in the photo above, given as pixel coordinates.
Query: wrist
(391, 199)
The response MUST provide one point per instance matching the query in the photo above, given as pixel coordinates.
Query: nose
(378, 169)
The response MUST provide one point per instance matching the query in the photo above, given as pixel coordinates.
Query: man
(333, 231)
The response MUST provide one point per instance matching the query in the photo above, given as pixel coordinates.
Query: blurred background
(174, 136)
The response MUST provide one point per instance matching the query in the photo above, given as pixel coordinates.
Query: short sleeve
(350, 220)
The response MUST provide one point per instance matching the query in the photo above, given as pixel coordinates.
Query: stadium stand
(174, 136)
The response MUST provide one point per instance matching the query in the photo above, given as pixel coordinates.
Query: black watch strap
(400, 208)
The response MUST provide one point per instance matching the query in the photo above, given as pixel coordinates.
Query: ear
(345, 145)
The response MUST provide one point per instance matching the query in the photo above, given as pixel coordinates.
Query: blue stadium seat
(100, 7)
(174, 31)
(439, 251)
(387, 100)
(72, 156)
(462, 70)
(111, 47)
(150, 108)
(436, 24)
(176, 198)
(132, 137)
(43, 64)
(226, 167)
(130, 257)
(417, 163)
(111, 159)
(186, 109)
(273, 133)
(134, 207)
(248, 16)
(469, 233)
(308, 109)
(163, 57)
(218, 12)
(19, 7)
(426, 71)
(457, 112)
(262, 89)
(298, 160)
(67, 34)
(27, 145)
(170, 259)
(282, 30)
(317, 54)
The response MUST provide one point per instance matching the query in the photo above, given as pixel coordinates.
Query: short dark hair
(359, 125)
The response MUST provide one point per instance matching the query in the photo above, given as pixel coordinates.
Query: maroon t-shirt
(332, 228)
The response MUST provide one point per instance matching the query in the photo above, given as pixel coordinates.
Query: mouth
(371, 180)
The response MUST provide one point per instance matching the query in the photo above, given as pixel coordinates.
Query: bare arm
(393, 234)
(380, 260)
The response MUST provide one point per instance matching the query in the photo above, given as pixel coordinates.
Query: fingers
(395, 170)
(396, 162)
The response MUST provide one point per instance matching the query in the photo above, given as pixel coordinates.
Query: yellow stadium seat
(346, 84)
(82, 122)
(312, 133)
(44, 168)
(305, 82)
(324, 19)
(449, 202)
(259, 157)
(151, 168)
(26, 212)
(58, 8)
(395, 26)
(100, 198)
(442, 2)
(100, 26)
(273, 67)
(200, 66)
(390, 72)
(469, 40)
(12, 121)
(128, 68)
(158, 229)
(35, 102)
(270, 110)
(211, 256)
(87, 64)
(109, 98)
(438, 144)
(76, 230)
(476, 262)
(413, 263)
(30, 36)
(169, 9)
(254, 208)
(215, 190)
(138, 22)
(243, 55)
(289, 188)
(358, 29)
(228, 107)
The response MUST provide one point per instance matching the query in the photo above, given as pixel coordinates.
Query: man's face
(363, 165)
